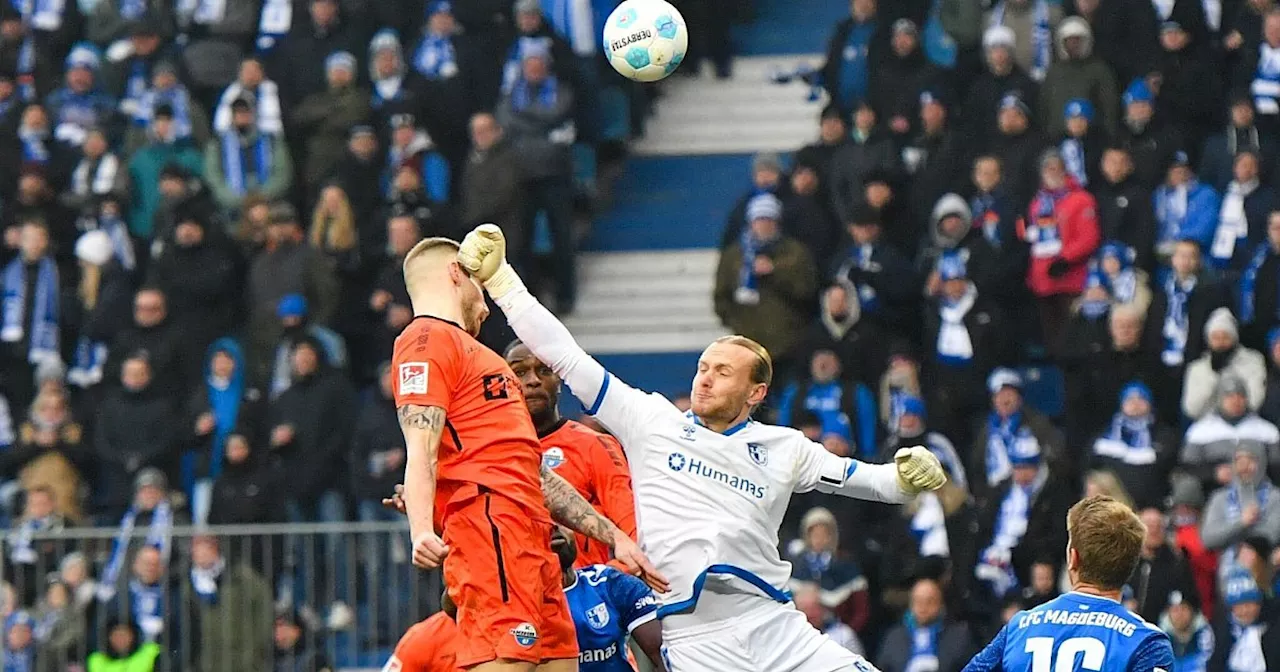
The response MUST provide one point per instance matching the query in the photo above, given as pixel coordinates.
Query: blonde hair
(1107, 535)
(1109, 484)
(762, 372)
(333, 231)
(90, 285)
(425, 248)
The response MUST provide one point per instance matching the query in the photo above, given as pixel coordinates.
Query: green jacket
(325, 120)
(276, 186)
(963, 21)
(142, 660)
(144, 170)
(786, 296)
(235, 633)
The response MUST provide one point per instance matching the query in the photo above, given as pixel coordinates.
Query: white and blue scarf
(1249, 284)
(522, 94)
(1124, 285)
(1011, 525)
(158, 537)
(274, 24)
(34, 147)
(1171, 211)
(121, 243)
(435, 58)
(929, 527)
(955, 345)
(1044, 237)
(1041, 37)
(178, 98)
(986, 217)
(1176, 320)
(1072, 151)
(1233, 221)
(101, 181)
(1266, 80)
(205, 582)
(20, 661)
(21, 544)
(148, 608)
(1261, 495)
(233, 167)
(135, 86)
(924, 644)
(1128, 440)
(42, 15)
(868, 298)
(1246, 654)
(748, 291)
(1003, 435)
(44, 323)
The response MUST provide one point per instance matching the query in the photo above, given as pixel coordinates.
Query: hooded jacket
(1087, 77)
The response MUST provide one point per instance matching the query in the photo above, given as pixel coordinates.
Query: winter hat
(1136, 387)
(84, 55)
(999, 36)
(864, 214)
(1186, 491)
(1232, 384)
(94, 248)
(362, 129)
(291, 305)
(1170, 25)
(534, 47)
(386, 39)
(1180, 158)
(952, 266)
(527, 7)
(1138, 92)
(929, 96)
(1122, 253)
(1221, 320)
(50, 369)
(438, 7)
(1240, 587)
(767, 161)
(340, 60)
(150, 478)
(1273, 337)
(1014, 102)
(818, 515)
(1178, 597)
(1002, 378)
(1025, 454)
(1079, 107)
(764, 206)
(21, 617)
(905, 26)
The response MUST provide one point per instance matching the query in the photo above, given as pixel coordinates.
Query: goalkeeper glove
(918, 470)
(483, 254)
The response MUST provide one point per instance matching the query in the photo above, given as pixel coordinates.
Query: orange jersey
(428, 646)
(489, 443)
(593, 463)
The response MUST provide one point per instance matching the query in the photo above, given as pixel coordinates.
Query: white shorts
(772, 638)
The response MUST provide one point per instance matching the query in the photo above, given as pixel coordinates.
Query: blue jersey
(1076, 633)
(607, 605)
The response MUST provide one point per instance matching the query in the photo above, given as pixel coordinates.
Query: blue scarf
(147, 606)
(177, 98)
(44, 323)
(1176, 320)
(21, 546)
(276, 18)
(1041, 37)
(1002, 435)
(1172, 204)
(224, 401)
(1072, 151)
(20, 661)
(34, 149)
(435, 58)
(1249, 284)
(233, 167)
(205, 582)
(868, 298)
(986, 217)
(157, 537)
(924, 643)
(522, 96)
(817, 563)
(86, 369)
(77, 113)
(1132, 432)
(748, 292)
(1261, 492)
(121, 243)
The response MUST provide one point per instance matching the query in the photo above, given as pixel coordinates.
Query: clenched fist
(918, 470)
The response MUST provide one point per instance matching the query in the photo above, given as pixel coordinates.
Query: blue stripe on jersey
(604, 387)
(848, 472)
(750, 577)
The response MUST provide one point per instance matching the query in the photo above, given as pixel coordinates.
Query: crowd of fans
(1002, 191)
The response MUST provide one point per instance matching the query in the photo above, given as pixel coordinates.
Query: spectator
(109, 22)
(148, 599)
(295, 647)
(61, 630)
(163, 149)
(808, 600)
(232, 606)
(1185, 209)
(1259, 302)
(265, 94)
(1179, 314)
(246, 491)
(1078, 73)
(845, 410)
(531, 25)
(901, 380)
(325, 118)
(181, 193)
(854, 48)
(213, 413)
(1242, 638)
(126, 650)
(807, 215)
(389, 300)
(818, 562)
(1124, 206)
(1242, 222)
(492, 190)
(49, 453)
(1018, 147)
(19, 642)
(1189, 632)
(1128, 285)
(994, 219)
(1162, 571)
(300, 63)
(1156, 149)
(934, 158)
(243, 161)
(1082, 143)
(1190, 88)
(883, 278)
(442, 81)
(287, 266)
(899, 80)
(98, 173)
(189, 118)
(34, 148)
(136, 428)
(1243, 508)
(1213, 440)
(295, 326)
(413, 147)
(198, 276)
(765, 280)
(869, 151)
(29, 560)
(74, 572)
(160, 338)
(1241, 134)
(1260, 66)
(1062, 230)
(538, 116)
(359, 175)
(1032, 22)
(1010, 429)
(31, 315)
(387, 73)
(1002, 77)
(926, 638)
(833, 135)
(1224, 357)
(857, 343)
(80, 105)
(1138, 450)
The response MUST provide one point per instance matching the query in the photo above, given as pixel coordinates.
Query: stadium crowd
(1001, 194)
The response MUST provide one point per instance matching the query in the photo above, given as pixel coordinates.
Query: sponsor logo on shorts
(413, 378)
(526, 635)
(553, 458)
(598, 616)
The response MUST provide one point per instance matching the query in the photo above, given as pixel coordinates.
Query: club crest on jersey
(525, 634)
(687, 432)
(676, 461)
(413, 378)
(759, 454)
(553, 458)
(598, 616)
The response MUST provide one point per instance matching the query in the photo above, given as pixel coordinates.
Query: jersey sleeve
(626, 411)
(631, 598)
(991, 658)
(427, 368)
(1153, 655)
(819, 469)
(613, 482)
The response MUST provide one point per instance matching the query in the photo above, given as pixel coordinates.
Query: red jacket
(1076, 218)
(1203, 562)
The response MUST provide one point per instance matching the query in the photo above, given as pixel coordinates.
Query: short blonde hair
(1107, 535)
(762, 372)
(427, 247)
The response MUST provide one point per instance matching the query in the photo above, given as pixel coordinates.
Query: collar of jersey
(1087, 596)
(728, 432)
(574, 584)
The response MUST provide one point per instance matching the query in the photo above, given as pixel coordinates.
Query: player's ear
(758, 392)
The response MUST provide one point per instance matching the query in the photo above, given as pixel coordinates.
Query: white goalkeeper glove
(483, 254)
(918, 470)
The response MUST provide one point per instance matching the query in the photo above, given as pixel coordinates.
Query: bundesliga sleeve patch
(392, 665)
(413, 378)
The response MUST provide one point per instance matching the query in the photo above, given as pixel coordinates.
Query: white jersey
(708, 504)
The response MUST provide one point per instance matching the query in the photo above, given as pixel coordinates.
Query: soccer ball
(645, 40)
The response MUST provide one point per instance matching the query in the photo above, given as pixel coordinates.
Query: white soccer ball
(645, 40)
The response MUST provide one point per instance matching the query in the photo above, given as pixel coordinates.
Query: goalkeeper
(711, 486)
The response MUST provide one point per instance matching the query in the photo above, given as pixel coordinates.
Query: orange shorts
(505, 579)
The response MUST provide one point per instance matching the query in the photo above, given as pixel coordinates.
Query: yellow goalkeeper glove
(483, 254)
(918, 470)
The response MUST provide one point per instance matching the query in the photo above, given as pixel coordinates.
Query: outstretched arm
(914, 470)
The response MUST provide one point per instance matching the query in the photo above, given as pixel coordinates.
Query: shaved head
(440, 287)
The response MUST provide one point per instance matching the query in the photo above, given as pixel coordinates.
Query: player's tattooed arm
(422, 427)
(568, 508)
(429, 418)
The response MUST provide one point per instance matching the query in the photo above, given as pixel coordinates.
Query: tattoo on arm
(569, 509)
(430, 418)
